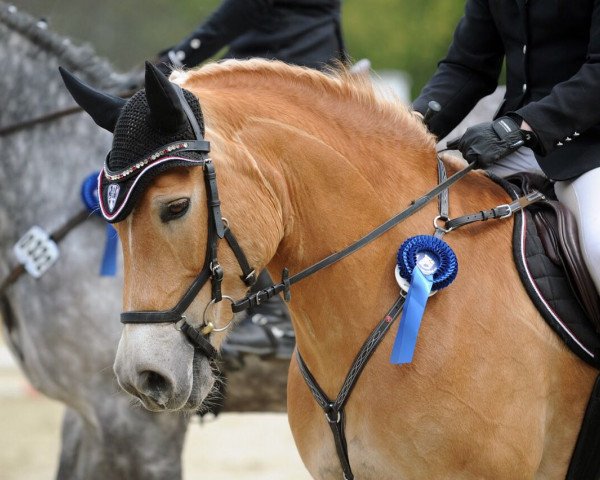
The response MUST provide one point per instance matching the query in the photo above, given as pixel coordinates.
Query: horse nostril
(155, 386)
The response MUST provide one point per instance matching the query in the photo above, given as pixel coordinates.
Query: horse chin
(203, 384)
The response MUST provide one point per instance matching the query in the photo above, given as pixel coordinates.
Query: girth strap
(585, 462)
(334, 410)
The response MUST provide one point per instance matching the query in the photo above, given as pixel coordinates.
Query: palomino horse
(59, 326)
(306, 164)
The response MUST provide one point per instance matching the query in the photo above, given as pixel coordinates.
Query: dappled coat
(552, 50)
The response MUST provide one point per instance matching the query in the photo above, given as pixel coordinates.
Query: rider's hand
(488, 142)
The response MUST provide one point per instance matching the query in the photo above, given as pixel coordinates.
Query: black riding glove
(488, 142)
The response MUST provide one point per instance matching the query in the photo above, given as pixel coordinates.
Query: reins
(77, 218)
(48, 117)
(287, 281)
(57, 236)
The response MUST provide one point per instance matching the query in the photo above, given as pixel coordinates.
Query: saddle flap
(558, 232)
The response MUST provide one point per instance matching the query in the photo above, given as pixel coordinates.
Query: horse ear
(165, 106)
(104, 109)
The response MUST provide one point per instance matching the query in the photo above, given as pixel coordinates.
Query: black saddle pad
(549, 289)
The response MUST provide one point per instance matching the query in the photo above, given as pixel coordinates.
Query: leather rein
(48, 117)
(77, 218)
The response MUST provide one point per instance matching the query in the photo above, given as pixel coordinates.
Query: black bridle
(49, 117)
(211, 270)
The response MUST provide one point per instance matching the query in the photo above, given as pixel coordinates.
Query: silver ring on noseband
(210, 326)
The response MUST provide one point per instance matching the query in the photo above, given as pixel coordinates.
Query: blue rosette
(425, 264)
(89, 197)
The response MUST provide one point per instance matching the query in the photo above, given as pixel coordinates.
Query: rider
(552, 52)
(302, 32)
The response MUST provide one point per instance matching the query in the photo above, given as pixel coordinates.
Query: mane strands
(337, 84)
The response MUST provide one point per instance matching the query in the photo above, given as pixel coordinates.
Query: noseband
(212, 270)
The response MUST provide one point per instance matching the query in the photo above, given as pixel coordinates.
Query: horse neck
(42, 166)
(336, 176)
(334, 201)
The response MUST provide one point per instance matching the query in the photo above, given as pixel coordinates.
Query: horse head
(152, 190)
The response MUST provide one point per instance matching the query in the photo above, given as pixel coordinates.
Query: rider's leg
(523, 160)
(582, 197)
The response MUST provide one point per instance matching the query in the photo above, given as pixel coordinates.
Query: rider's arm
(469, 72)
(231, 19)
(571, 106)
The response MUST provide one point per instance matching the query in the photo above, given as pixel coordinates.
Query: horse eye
(174, 210)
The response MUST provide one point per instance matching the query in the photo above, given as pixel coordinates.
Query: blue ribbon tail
(414, 307)
(109, 259)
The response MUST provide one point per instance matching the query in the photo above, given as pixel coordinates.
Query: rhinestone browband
(142, 163)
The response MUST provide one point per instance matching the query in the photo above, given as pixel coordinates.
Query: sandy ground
(30, 439)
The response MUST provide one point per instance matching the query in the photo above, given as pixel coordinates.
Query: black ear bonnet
(141, 150)
(159, 128)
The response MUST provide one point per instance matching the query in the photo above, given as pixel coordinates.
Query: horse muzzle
(156, 364)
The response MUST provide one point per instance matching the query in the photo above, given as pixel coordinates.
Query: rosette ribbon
(89, 196)
(429, 264)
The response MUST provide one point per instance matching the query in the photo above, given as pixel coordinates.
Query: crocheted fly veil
(159, 128)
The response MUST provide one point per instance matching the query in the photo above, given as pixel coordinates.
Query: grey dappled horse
(61, 327)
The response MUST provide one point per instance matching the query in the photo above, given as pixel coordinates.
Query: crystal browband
(191, 145)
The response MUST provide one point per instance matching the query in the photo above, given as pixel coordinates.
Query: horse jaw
(156, 364)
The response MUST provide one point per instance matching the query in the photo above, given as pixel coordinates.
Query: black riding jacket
(552, 51)
(302, 32)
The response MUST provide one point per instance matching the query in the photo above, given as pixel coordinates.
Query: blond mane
(388, 116)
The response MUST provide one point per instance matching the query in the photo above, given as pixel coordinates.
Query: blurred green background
(407, 35)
